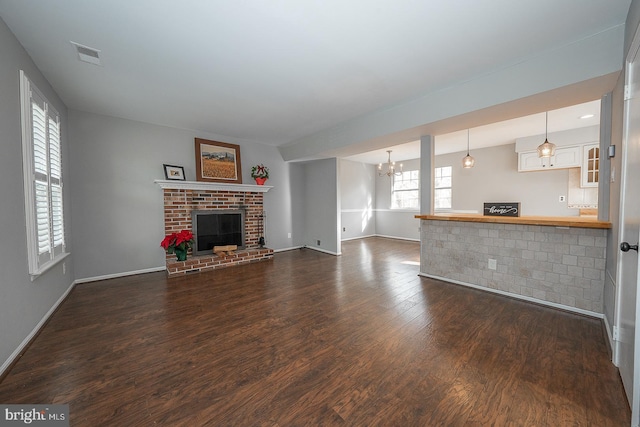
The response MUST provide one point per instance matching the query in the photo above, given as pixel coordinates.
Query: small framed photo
(218, 162)
(175, 173)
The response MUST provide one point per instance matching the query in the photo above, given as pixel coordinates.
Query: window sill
(48, 266)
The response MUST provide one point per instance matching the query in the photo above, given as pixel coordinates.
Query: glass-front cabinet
(591, 165)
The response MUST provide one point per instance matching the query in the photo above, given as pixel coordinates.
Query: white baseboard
(613, 344)
(323, 250)
(358, 237)
(381, 235)
(275, 251)
(397, 238)
(521, 297)
(16, 353)
(609, 331)
(116, 275)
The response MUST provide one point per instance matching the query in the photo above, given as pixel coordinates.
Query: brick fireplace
(183, 197)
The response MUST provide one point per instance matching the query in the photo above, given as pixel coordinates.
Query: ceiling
(499, 133)
(275, 71)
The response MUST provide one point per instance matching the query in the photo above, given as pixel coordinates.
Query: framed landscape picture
(218, 162)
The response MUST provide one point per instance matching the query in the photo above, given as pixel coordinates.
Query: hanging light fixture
(546, 149)
(468, 161)
(391, 167)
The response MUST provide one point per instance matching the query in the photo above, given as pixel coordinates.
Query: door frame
(632, 56)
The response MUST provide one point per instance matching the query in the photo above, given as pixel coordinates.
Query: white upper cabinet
(565, 157)
(591, 165)
(572, 151)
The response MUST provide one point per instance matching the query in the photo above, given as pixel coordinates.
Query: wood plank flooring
(313, 339)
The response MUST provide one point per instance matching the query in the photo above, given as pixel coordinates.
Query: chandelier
(391, 168)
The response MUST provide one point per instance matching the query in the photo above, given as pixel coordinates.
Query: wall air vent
(87, 54)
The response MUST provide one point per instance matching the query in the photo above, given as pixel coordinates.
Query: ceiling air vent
(87, 54)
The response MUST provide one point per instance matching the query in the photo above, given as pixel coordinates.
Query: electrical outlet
(562, 199)
(493, 264)
(64, 268)
(318, 242)
(344, 228)
(288, 235)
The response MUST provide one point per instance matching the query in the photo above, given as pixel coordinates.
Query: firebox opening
(217, 228)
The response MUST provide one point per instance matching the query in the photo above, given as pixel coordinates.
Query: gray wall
(298, 203)
(321, 199)
(357, 199)
(400, 223)
(23, 303)
(117, 208)
(495, 178)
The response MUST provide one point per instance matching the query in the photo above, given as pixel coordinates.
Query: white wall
(591, 57)
(117, 208)
(495, 178)
(24, 303)
(357, 198)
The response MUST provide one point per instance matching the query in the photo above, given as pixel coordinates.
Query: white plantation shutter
(43, 179)
(55, 180)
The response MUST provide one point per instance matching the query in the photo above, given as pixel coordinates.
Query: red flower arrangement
(178, 243)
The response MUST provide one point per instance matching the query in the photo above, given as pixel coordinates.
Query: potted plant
(260, 173)
(178, 243)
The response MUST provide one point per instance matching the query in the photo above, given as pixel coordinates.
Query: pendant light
(468, 161)
(546, 149)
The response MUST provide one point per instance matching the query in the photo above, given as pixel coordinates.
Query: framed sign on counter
(502, 209)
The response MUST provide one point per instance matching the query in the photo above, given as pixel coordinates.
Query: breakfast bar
(556, 261)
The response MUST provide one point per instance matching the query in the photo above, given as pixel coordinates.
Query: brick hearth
(180, 198)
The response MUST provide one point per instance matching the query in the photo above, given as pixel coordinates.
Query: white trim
(399, 210)
(323, 250)
(212, 186)
(117, 275)
(397, 238)
(383, 236)
(27, 156)
(615, 352)
(609, 334)
(521, 297)
(358, 237)
(292, 248)
(48, 265)
(34, 332)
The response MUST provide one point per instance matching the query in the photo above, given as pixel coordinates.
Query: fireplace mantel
(211, 186)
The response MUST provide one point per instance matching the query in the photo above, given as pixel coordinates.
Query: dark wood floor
(313, 339)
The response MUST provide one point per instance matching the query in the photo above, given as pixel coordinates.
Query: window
(41, 152)
(405, 191)
(442, 193)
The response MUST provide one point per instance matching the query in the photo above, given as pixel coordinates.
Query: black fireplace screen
(217, 228)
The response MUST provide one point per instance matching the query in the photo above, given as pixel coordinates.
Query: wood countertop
(554, 221)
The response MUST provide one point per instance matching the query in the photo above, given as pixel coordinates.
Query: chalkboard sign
(502, 209)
